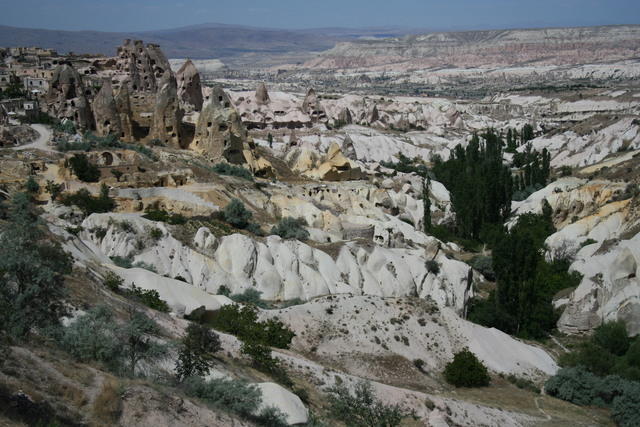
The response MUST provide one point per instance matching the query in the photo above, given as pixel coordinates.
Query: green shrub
(579, 386)
(484, 264)
(291, 228)
(197, 347)
(236, 214)
(466, 371)
(362, 409)
(53, 189)
(155, 234)
(65, 146)
(150, 298)
(223, 290)
(144, 265)
(32, 186)
(250, 296)
(243, 323)
(83, 169)
(89, 204)
(160, 215)
(254, 228)
(92, 336)
(113, 281)
(565, 170)
(432, 266)
(121, 347)
(231, 170)
(625, 409)
(122, 262)
(235, 396)
(613, 337)
(271, 417)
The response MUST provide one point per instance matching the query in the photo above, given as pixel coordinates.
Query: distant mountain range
(199, 41)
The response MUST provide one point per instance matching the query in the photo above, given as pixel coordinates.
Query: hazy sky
(136, 15)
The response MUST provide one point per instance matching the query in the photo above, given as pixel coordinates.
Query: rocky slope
(494, 48)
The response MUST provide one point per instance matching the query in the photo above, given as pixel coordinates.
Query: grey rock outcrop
(311, 106)
(375, 115)
(167, 115)
(66, 98)
(145, 65)
(123, 107)
(220, 133)
(105, 111)
(189, 87)
(348, 149)
(345, 117)
(262, 95)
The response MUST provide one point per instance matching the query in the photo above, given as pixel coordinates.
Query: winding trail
(537, 400)
(42, 142)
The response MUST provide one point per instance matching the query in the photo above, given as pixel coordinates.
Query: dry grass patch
(107, 405)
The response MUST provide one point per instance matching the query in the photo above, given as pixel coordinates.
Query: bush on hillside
(235, 396)
(613, 337)
(150, 298)
(153, 213)
(243, 323)
(291, 228)
(232, 170)
(83, 169)
(120, 346)
(250, 296)
(236, 214)
(466, 371)
(579, 386)
(92, 336)
(89, 204)
(361, 408)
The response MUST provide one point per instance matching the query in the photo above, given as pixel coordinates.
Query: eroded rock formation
(189, 87)
(105, 111)
(262, 96)
(66, 97)
(220, 133)
(167, 115)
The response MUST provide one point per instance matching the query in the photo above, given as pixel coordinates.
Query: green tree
(83, 169)
(613, 337)
(138, 341)
(15, 89)
(466, 371)
(53, 189)
(32, 186)
(195, 357)
(426, 204)
(479, 183)
(32, 269)
(527, 133)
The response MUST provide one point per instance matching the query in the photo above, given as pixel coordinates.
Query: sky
(141, 15)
